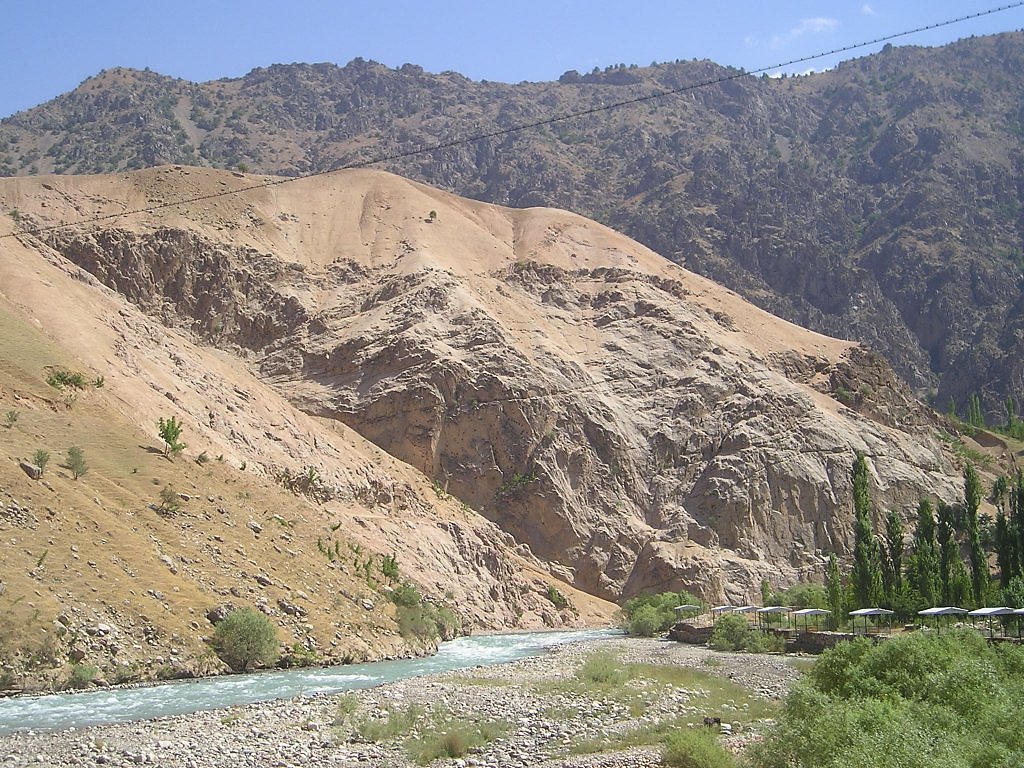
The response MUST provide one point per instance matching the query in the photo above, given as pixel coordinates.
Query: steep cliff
(633, 424)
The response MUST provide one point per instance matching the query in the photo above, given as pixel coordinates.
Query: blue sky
(48, 48)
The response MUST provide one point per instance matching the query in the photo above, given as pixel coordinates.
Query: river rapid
(115, 705)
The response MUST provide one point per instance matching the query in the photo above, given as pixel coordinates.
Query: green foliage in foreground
(732, 632)
(244, 639)
(913, 701)
(695, 749)
(649, 615)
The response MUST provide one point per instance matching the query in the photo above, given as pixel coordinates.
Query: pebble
(304, 732)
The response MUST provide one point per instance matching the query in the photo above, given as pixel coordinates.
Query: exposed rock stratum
(626, 423)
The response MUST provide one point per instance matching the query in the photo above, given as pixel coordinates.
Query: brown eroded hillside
(97, 570)
(634, 425)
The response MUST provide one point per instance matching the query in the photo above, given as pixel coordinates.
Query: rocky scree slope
(879, 202)
(633, 424)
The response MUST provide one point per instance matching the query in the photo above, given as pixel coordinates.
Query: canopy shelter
(718, 610)
(936, 613)
(869, 613)
(768, 613)
(988, 614)
(688, 611)
(807, 613)
(746, 610)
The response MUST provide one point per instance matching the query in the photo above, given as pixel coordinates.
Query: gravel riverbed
(541, 718)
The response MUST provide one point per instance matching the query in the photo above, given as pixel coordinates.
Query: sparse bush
(170, 501)
(61, 378)
(557, 598)
(76, 462)
(82, 675)
(347, 705)
(694, 748)
(454, 739)
(602, 668)
(397, 722)
(389, 567)
(244, 639)
(170, 431)
(10, 419)
(202, 458)
(41, 458)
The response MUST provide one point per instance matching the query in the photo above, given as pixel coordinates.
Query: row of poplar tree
(931, 572)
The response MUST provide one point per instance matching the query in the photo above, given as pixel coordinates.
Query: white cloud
(813, 26)
(867, 10)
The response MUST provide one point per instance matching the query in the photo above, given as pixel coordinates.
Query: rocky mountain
(627, 424)
(126, 568)
(879, 202)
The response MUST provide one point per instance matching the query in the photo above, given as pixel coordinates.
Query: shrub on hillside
(245, 639)
(421, 620)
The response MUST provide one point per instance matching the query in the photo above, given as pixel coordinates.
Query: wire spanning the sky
(388, 157)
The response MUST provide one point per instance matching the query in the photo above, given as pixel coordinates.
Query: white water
(76, 710)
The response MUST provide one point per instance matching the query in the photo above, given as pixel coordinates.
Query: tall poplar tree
(835, 591)
(923, 570)
(979, 563)
(894, 557)
(867, 577)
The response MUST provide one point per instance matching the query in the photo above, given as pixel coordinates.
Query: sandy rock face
(633, 425)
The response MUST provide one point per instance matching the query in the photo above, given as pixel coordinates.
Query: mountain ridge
(876, 201)
(635, 425)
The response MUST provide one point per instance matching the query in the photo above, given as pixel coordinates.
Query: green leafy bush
(649, 615)
(732, 632)
(645, 622)
(41, 458)
(421, 620)
(61, 378)
(695, 749)
(76, 462)
(170, 432)
(245, 639)
(913, 700)
(557, 598)
(82, 675)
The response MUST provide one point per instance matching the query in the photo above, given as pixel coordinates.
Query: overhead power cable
(386, 157)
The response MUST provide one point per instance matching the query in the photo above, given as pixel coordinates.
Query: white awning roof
(723, 609)
(773, 609)
(871, 612)
(744, 609)
(688, 608)
(1001, 611)
(945, 611)
(812, 612)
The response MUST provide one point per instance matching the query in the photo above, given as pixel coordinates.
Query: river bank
(536, 708)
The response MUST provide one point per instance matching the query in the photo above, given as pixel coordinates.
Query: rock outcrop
(631, 425)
